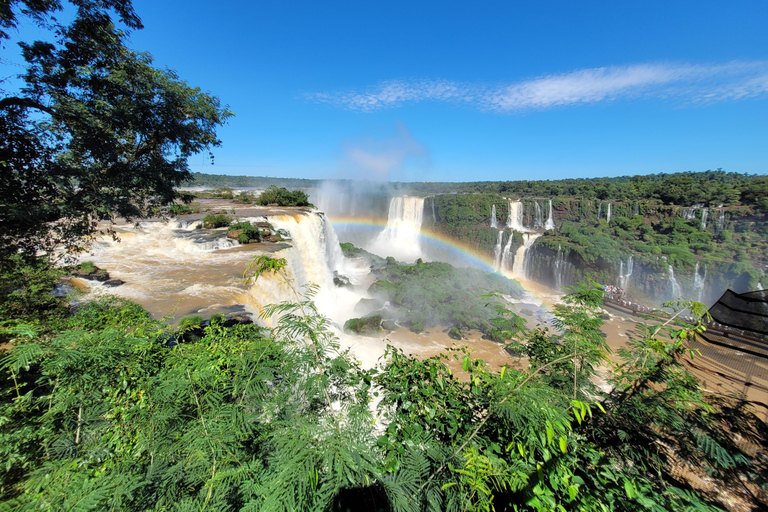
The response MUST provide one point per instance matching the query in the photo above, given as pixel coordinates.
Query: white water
(538, 221)
(720, 222)
(550, 224)
(704, 215)
(518, 266)
(624, 278)
(506, 256)
(515, 219)
(608, 215)
(676, 292)
(562, 268)
(400, 237)
(698, 281)
(497, 251)
(599, 211)
(494, 222)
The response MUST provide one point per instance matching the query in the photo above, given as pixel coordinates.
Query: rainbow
(437, 240)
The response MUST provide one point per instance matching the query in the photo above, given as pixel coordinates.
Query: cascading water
(400, 237)
(506, 256)
(637, 209)
(550, 224)
(624, 277)
(704, 215)
(720, 222)
(494, 222)
(562, 268)
(538, 221)
(515, 219)
(599, 211)
(608, 215)
(698, 281)
(676, 292)
(434, 217)
(519, 265)
(497, 251)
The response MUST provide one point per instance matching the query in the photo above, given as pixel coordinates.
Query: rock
(340, 280)
(454, 334)
(262, 225)
(235, 233)
(365, 326)
(99, 274)
(388, 325)
(237, 320)
(366, 306)
(114, 282)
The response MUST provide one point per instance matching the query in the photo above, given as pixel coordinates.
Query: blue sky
(465, 91)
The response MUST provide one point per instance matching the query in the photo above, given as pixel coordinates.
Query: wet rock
(99, 274)
(340, 280)
(388, 325)
(237, 320)
(366, 326)
(114, 282)
(366, 306)
(455, 334)
(235, 233)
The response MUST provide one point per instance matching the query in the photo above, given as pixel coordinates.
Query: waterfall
(637, 209)
(624, 278)
(538, 221)
(400, 237)
(519, 265)
(698, 281)
(562, 268)
(550, 224)
(515, 219)
(599, 211)
(506, 256)
(494, 223)
(608, 215)
(676, 292)
(720, 222)
(704, 215)
(497, 251)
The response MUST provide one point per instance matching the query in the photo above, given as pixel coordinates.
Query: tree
(96, 132)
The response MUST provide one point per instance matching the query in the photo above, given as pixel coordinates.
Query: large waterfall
(676, 292)
(519, 265)
(624, 276)
(562, 268)
(497, 251)
(494, 222)
(506, 256)
(698, 281)
(538, 221)
(704, 214)
(400, 237)
(550, 224)
(515, 219)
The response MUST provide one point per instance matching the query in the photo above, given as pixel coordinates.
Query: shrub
(216, 221)
(190, 322)
(283, 197)
(87, 267)
(179, 209)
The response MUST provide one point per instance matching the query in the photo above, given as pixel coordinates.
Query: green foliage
(216, 221)
(26, 290)
(433, 293)
(94, 132)
(87, 267)
(190, 322)
(250, 232)
(282, 197)
(179, 209)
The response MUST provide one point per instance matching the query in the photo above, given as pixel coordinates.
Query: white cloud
(386, 156)
(693, 83)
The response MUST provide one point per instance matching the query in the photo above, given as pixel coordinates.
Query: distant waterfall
(538, 221)
(515, 219)
(494, 222)
(400, 237)
(698, 281)
(497, 251)
(676, 291)
(704, 215)
(637, 209)
(562, 268)
(599, 211)
(720, 221)
(608, 215)
(624, 277)
(550, 224)
(519, 265)
(506, 255)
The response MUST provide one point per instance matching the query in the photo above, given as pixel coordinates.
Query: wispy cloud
(687, 83)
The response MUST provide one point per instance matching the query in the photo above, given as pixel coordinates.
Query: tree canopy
(95, 131)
